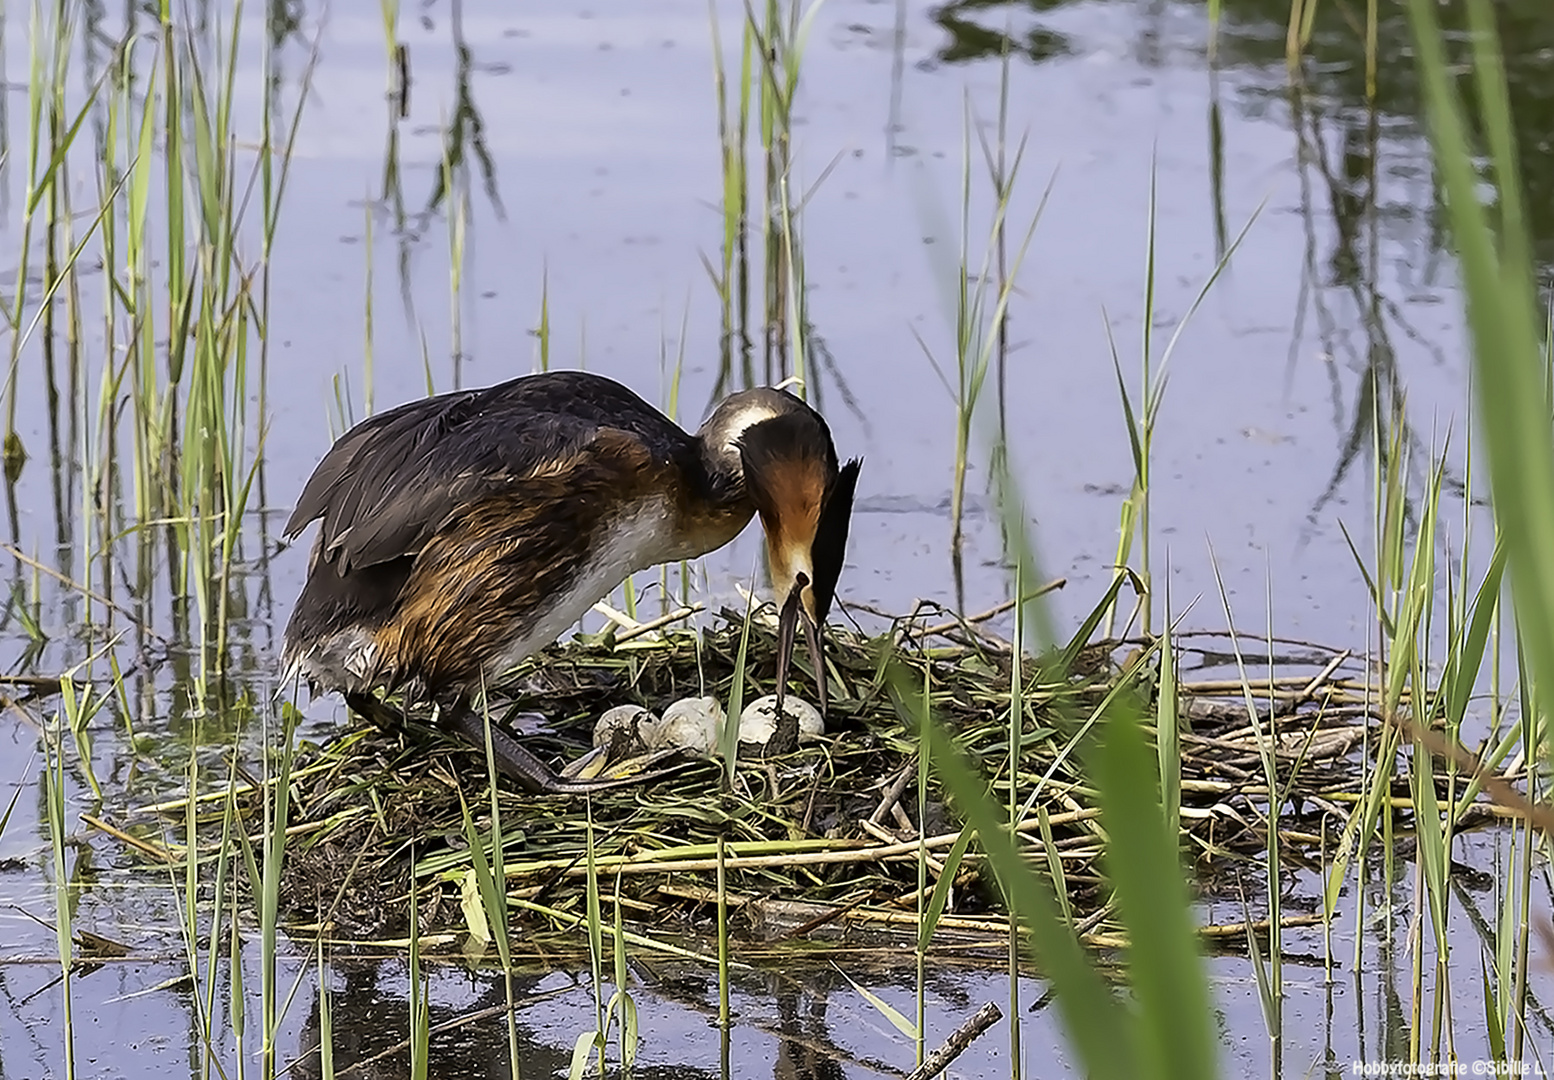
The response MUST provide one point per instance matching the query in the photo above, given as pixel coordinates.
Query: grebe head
(805, 499)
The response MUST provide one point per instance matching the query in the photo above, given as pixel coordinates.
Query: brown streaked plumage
(461, 533)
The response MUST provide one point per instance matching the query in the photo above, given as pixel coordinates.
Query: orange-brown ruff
(464, 532)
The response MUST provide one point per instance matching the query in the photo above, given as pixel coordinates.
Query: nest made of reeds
(825, 841)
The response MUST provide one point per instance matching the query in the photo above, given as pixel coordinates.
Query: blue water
(599, 124)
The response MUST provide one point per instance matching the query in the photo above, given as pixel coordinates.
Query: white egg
(758, 721)
(630, 722)
(625, 729)
(758, 725)
(689, 724)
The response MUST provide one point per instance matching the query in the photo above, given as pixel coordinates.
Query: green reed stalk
(458, 212)
(226, 900)
(776, 44)
(190, 414)
(368, 379)
(1297, 33)
(588, 1042)
(1169, 1033)
(1134, 524)
(774, 110)
(1510, 370)
(728, 738)
(979, 307)
(418, 997)
(1434, 834)
(52, 41)
(725, 1014)
(219, 324)
(623, 1007)
(389, 9)
(64, 895)
(1397, 629)
(542, 332)
(277, 813)
(669, 377)
(491, 885)
(927, 917)
(1168, 746)
(326, 1022)
(731, 279)
(16, 793)
(1015, 732)
(1372, 23)
(1270, 980)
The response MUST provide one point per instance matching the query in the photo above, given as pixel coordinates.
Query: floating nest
(823, 842)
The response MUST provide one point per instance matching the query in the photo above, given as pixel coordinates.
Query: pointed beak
(792, 614)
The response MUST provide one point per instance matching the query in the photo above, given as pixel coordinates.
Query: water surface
(590, 185)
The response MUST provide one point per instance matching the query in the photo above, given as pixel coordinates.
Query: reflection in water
(1252, 35)
(462, 148)
(972, 37)
(1359, 159)
(369, 1018)
(1352, 159)
(465, 133)
(1346, 286)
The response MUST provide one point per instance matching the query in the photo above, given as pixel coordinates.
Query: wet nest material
(821, 843)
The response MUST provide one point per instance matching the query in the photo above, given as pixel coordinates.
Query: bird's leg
(518, 763)
(513, 759)
(381, 714)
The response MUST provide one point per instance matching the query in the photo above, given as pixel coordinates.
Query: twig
(1262, 926)
(994, 611)
(894, 792)
(619, 618)
(640, 864)
(1216, 932)
(1539, 814)
(962, 1037)
(145, 847)
(805, 928)
(1310, 689)
(91, 594)
(660, 622)
(992, 923)
(461, 1021)
(40, 683)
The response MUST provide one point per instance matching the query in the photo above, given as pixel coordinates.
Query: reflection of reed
(1345, 59)
(463, 152)
(1348, 264)
(465, 133)
(1340, 112)
(1217, 166)
(762, 248)
(369, 1022)
(141, 295)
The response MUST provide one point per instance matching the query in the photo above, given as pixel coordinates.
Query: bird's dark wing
(395, 480)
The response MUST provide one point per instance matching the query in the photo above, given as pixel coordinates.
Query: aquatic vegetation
(990, 794)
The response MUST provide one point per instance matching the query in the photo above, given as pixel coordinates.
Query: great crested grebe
(464, 532)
